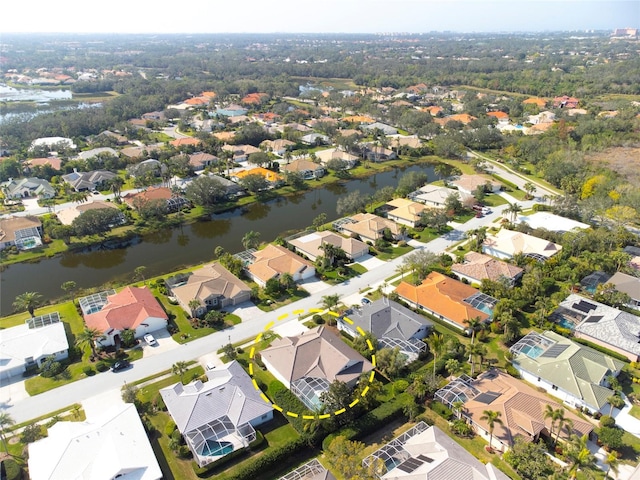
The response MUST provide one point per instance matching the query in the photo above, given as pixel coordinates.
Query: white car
(150, 339)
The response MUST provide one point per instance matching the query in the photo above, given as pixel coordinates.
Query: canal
(168, 250)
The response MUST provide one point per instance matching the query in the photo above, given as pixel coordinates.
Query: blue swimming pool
(532, 351)
(214, 448)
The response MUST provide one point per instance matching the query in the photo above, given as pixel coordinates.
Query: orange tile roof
(254, 98)
(498, 115)
(54, 162)
(540, 102)
(197, 101)
(444, 296)
(151, 193)
(180, 142)
(268, 174)
(433, 110)
(208, 94)
(358, 119)
(127, 309)
(225, 136)
(460, 117)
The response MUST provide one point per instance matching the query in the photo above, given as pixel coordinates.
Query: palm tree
(69, 286)
(615, 401)
(529, 188)
(180, 368)
(330, 301)
(194, 305)
(436, 344)
(492, 418)
(457, 408)
(27, 301)
(579, 455)
(5, 421)
(513, 210)
(612, 462)
(251, 239)
(89, 336)
(561, 421)
(550, 413)
(475, 324)
(452, 366)
(139, 272)
(473, 350)
(116, 184)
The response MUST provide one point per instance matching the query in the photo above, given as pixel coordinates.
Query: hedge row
(290, 403)
(205, 471)
(600, 349)
(371, 421)
(270, 459)
(506, 182)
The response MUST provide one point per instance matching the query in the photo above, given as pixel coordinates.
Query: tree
(254, 182)
(319, 221)
(69, 286)
(420, 262)
(410, 181)
(258, 158)
(579, 455)
(296, 180)
(511, 326)
(615, 401)
(411, 410)
(473, 350)
(344, 456)
(561, 421)
(206, 191)
(194, 305)
(453, 366)
(453, 204)
(27, 301)
(116, 184)
(513, 210)
(390, 361)
(475, 324)
(89, 336)
(436, 344)
(138, 272)
(230, 351)
(352, 202)
(251, 239)
(337, 397)
(529, 188)
(129, 393)
(330, 301)
(6, 420)
(180, 368)
(286, 281)
(529, 459)
(612, 462)
(611, 437)
(436, 218)
(492, 418)
(97, 221)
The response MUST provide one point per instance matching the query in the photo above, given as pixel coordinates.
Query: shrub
(441, 410)
(51, 368)
(280, 456)
(461, 428)
(88, 371)
(611, 437)
(12, 469)
(400, 386)
(607, 421)
(31, 433)
(102, 366)
(169, 428)
(318, 320)
(184, 452)
(511, 370)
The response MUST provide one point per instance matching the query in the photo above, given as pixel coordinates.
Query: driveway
(246, 311)
(370, 262)
(314, 285)
(31, 204)
(95, 406)
(290, 328)
(165, 343)
(13, 392)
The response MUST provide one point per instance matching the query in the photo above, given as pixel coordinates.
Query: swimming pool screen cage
(460, 389)
(309, 389)
(221, 429)
(95, 302)
(530, 341)
(394, 453)
(306, 472)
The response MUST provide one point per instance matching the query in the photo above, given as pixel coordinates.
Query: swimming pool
(565, 323)
(532, 351)
(213, 448)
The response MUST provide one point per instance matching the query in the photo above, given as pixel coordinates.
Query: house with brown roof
(308, 363)
(565, 101)
(53, 162)
(138, 200)
(133, 308)
(308, 169)
(463, 118)
(325, 156)
(628, 284)
(310, 245)
(447, 299)
(200, 160)
(368, 227)
(469, 183)
(137, 152)
(240, 152)
(539, 102)
(185, 142)
(478, 267)
(274, 260)
(278, 146)
(213, 286)
(23, 232)
(405, 212)
(225, 136)
(68, 215)
(522, 409)
(502, 117)
(507, 243)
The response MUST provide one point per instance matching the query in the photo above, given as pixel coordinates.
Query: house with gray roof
(87, 154)
(88, 180)
(574, 373)
(312, 470)
(27, 187)
(427, 453)
(218, 416)
(308, 363)
(628, 284)
(386, 129)
(601, 324)
(392, 324)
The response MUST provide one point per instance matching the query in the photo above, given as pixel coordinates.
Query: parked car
(150, 339)
(365, 301)
(120, 365)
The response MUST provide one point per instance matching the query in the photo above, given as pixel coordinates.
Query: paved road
(61, 397)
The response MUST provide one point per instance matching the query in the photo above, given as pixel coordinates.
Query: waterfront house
(274, 260)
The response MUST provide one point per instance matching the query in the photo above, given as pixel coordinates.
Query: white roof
(512, 242)
(21, 342)
(50, 141)
(112, 445)
(551, 222)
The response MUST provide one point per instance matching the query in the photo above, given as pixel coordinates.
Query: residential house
(23, 232)
(133, 308)
(312, 470)
(477, 267)
(601, 324)
(155, 116)
(233, 189)
(185, 142)
(427, 453)
(542, 118)
(628, 284)
(522, 408)
(26, 346)
(27, 187)
(54, 162)
(463, 118)
(392, 324)
(404, 211)
(308, 169)
(315, 139)
(200, 160)
(151, 166)
(409, 141)
(94, 152)
(240, 152)
(138, 152)
(635, 256)
(539, 102)
(507, 243)
(469, 184)
(273, 178)
(384, 128)
(565, 102)
(434, 196)
(308, 363)
(274, 260)
(368, 227)
(447, 299)
(576, 374)
(81, 181)
(311, 245)
(278, 146)
(53, 142)
(358, 119)
(225, 136)
(218, 416)
(502, 117)
(113, 444)
(552, 222)
(213, 286)
(325, 156)
(138, 200)
(68, 215)
(378, 153)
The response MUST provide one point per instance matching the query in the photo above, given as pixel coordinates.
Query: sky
(319, 16)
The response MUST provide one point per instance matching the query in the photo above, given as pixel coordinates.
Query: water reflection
(159, 236)
(211, 228)
(256, 211)
(98, 259)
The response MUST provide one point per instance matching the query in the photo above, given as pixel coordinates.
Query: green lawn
(394, 252)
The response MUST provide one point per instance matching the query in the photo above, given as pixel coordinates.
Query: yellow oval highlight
(294, 414)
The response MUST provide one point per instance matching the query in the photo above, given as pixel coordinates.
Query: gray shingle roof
(389, 320)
